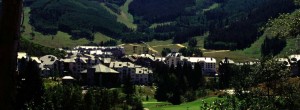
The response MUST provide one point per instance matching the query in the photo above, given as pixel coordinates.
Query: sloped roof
(48, 59)
(36, 59)
(100, 68)
(22, 55)
(122, 64)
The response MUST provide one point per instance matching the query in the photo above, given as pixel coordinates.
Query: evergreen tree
(165, 52)
(197, 79)
(30, 85)
(192, 42)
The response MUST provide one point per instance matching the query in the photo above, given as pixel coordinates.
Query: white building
(75, 64)
(172, 59)
(208, 64)
(142, 76)
(112, 51)
(138, 74)
(50, 65)
(293, 60)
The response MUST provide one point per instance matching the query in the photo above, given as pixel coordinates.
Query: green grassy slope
(124, 17)
(195, 105)
(291, 46)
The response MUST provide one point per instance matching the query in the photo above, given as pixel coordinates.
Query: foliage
(191, 52)
(80, 18)
(285, 26)
(38, 50)
(110, 42)
(238, 30)
(165, 52)
(230, 25)
(272, 46)
(177, 85)
(267, 85)
(117, 2)
(192, 42)
(226, 73)
(158, 10)
(72, 97)
(29, 84)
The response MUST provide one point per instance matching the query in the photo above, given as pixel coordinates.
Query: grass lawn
(200, 40)
(236, 56)
(255, 49)
(61, 39)
(125, 16)
(195, 105)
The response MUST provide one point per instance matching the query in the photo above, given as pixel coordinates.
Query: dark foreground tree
(29, 84)
(9, 38)
(267, 85)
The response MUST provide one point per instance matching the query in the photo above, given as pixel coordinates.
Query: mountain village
(108, 65)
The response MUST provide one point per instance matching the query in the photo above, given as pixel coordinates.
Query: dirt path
(162, 45)
(217, 51)
(180, 45)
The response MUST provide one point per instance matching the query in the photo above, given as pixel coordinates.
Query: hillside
(231, 24)
(79, 18)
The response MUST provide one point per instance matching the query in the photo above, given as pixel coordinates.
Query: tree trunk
(9, 38)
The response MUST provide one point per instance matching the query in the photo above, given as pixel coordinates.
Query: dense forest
(80, 18)
(231, 24)
(159, 10)
(241, 33)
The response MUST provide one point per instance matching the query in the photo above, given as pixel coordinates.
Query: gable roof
(48, 59)
(100, 68)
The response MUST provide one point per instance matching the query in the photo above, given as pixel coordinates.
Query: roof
(69, 60)
(160, 58)
(97, 52)
(48, 59)
(81, 59)
(174, 54)
(294, 58)
(36, 59)
(98, 47)
(122, 64)
(68, 77)
(200, 59)
(143, 71)
(147, 56)
(22, 55)
(100, 68)
(284, 60)
(229, 61)
(106, 60)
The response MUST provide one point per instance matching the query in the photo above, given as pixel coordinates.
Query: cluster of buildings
(109, 66)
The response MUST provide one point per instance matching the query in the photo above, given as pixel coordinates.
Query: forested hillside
(80, 18)
(159, 10)
(231, 24)
(240, 28)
